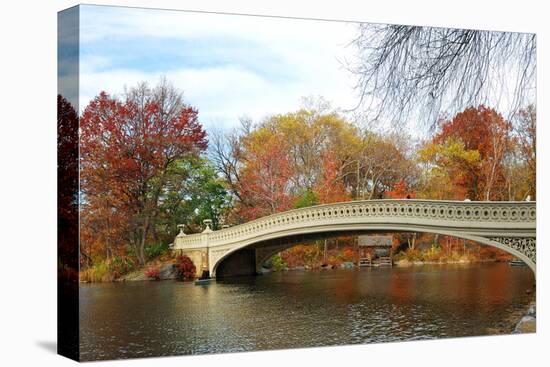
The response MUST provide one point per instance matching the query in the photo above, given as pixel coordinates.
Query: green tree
(308, 198)
(195, 192)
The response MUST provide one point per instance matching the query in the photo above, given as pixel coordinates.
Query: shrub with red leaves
(185, 268)
(152, 273)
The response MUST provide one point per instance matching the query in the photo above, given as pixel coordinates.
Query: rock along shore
(528, 323)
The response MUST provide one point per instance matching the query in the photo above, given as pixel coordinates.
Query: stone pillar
(198, 255)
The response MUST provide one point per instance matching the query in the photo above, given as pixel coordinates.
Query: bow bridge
(241, 249)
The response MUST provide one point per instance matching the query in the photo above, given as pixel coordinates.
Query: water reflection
(299, 309)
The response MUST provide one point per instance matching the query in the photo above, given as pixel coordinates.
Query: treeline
(147, 165)
(314, 156)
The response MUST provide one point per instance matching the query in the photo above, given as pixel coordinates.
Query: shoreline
(167, 272)
(406, 263)
(399, 263)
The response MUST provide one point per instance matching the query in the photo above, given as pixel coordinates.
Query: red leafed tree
(331, 188)
(400, 191)
(265, 177)
(127, 148)
(485, 130)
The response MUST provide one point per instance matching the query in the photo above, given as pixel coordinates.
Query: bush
(185, 269)
(120, 265)
(277, 263)
(99, 272)
(432, 254)
(107, 270)
(155, 250)
(152, 273)
(413, 255)
(348, 254)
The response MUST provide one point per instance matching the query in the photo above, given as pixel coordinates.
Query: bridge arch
(274, 245)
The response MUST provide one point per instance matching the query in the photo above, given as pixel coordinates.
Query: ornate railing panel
(524, 245)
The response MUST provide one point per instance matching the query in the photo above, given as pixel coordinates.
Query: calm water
(299, 309)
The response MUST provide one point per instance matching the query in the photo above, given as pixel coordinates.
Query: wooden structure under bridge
(375, 250)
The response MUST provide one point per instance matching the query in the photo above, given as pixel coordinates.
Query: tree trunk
(141, 245)
(490, 181)
(411, 241)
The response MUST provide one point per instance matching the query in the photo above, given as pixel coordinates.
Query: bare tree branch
(411, 72)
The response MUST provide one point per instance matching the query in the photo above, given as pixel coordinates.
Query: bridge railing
(472, 214)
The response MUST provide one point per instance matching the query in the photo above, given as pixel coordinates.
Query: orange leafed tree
(265, 177)
(330, 187)
(400, 191)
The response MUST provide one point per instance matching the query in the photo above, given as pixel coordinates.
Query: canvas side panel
(67, 183)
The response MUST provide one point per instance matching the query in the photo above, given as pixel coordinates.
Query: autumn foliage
(152, 273)
(266, 176)
(330, 187)
(185, 269)
(482, 130)
(144, 169)
(128, 147)
(313, 153)
(401, 191)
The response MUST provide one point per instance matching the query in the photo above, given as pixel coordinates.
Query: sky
(227, 66)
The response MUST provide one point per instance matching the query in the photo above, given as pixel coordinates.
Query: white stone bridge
(240, 250)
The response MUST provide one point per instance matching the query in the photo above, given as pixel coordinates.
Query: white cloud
(306, 59)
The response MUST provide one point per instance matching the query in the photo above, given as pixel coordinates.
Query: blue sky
(227, 66)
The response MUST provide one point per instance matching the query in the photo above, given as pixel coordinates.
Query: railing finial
(182, 233)
(207, 223)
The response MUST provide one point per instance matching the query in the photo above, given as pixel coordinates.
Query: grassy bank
(164, 266)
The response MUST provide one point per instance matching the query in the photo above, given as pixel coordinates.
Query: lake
(301, 309)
